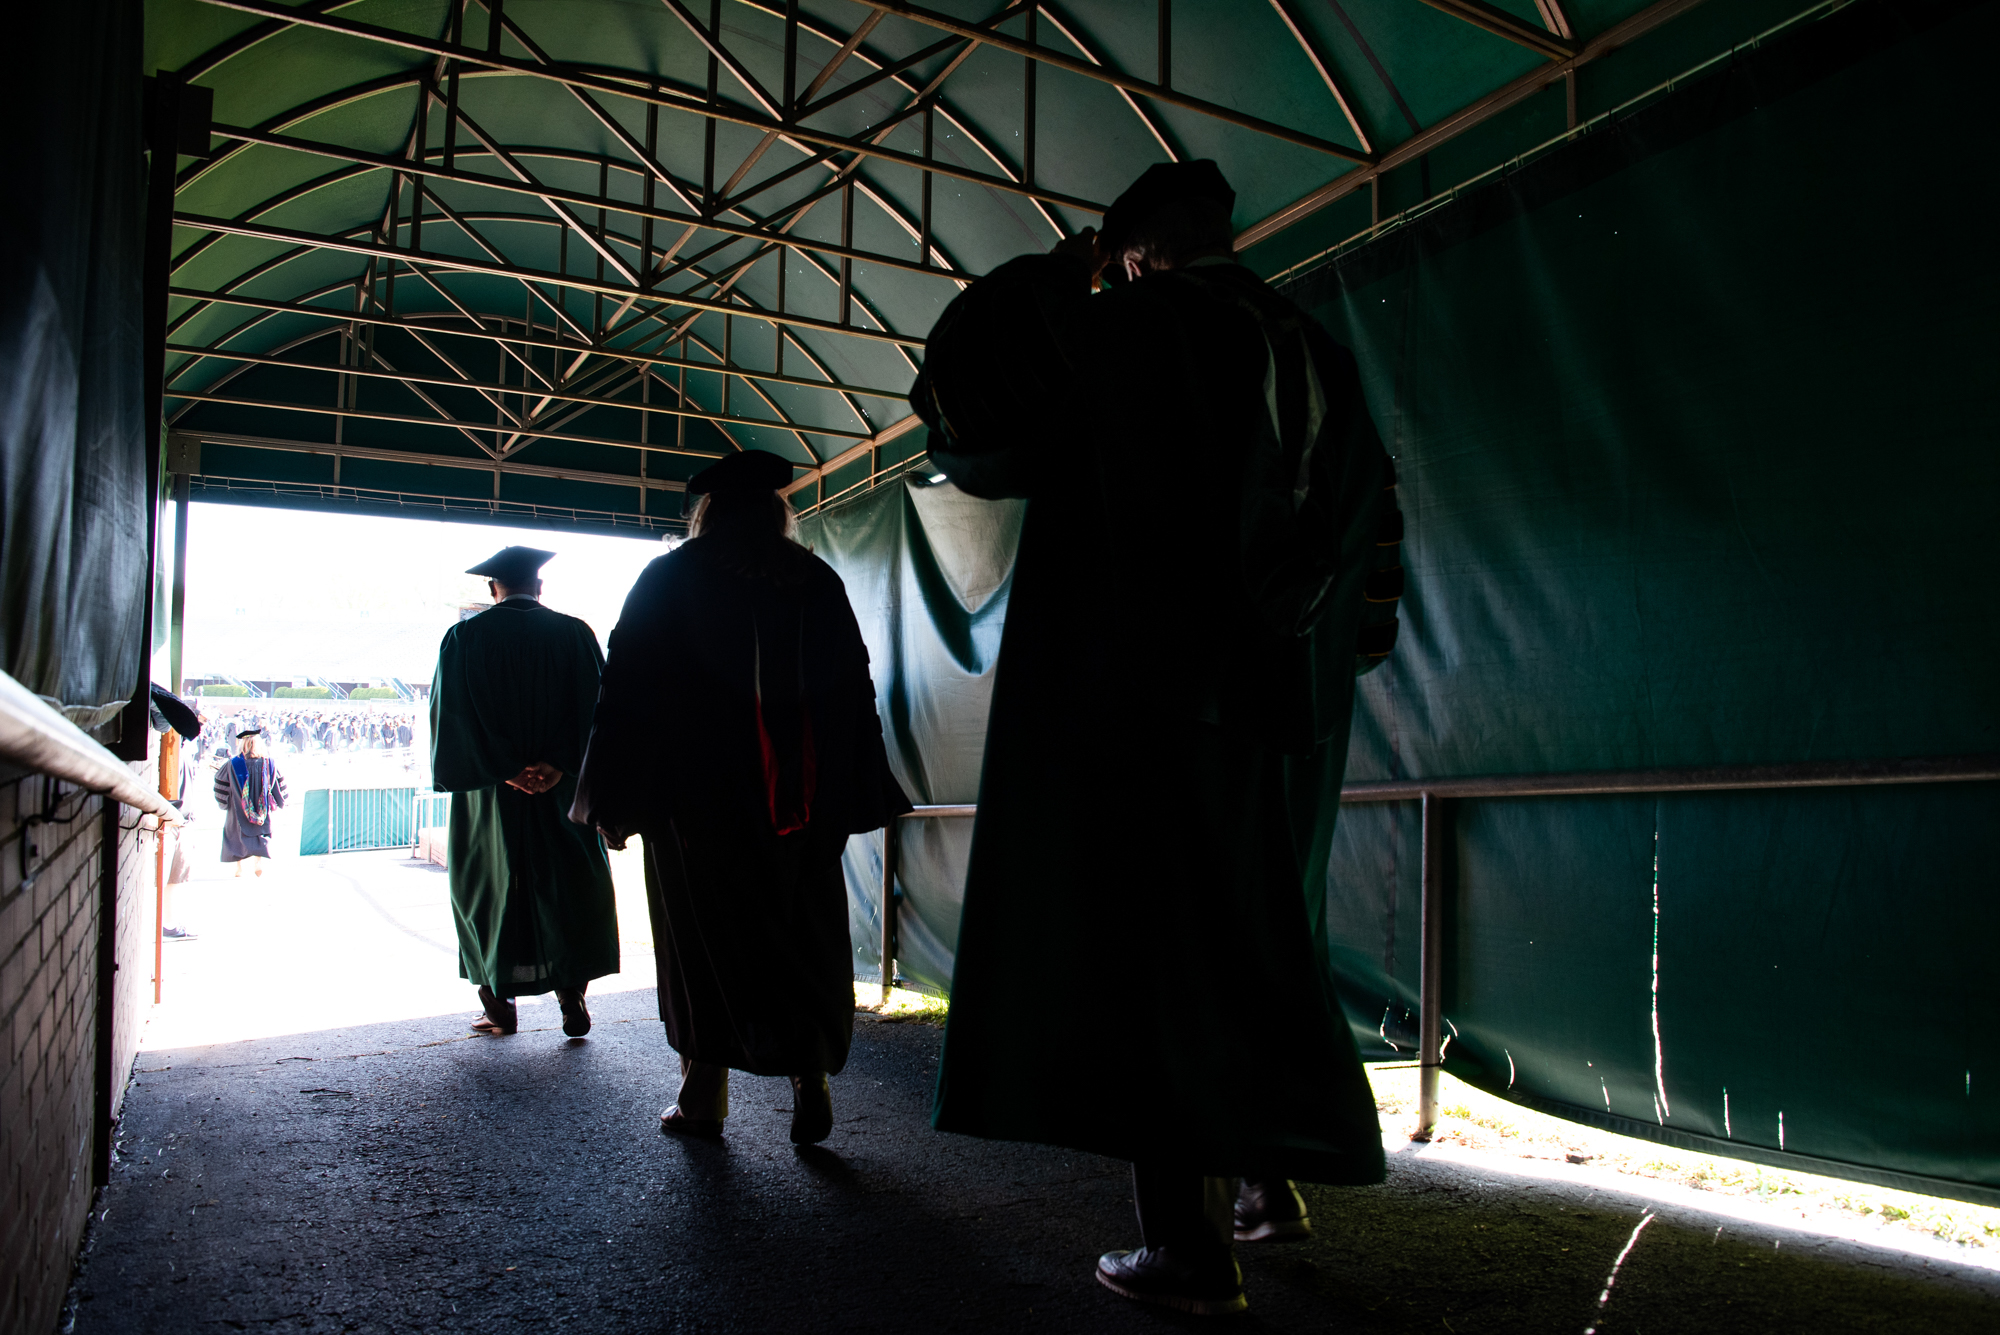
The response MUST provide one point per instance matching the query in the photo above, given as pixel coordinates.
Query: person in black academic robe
(247, 787)
(736, 732)
(510, 711)
(1168, 726)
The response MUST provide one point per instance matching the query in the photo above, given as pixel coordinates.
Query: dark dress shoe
(1211, 1286)
(576, 1016)
(674, 1122)
(501, 1017)
(1270, 1210)
(812, 1109)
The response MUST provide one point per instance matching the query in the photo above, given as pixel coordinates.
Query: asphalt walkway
(404, 1175)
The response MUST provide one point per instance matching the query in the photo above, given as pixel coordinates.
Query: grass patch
(904, 1007)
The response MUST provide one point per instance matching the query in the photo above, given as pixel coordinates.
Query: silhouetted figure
(1169, 724)
(247, 787)
(510, 712)
(737, 734)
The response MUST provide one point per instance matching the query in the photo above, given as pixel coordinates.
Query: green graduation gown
(1162, 767)
(530, 889)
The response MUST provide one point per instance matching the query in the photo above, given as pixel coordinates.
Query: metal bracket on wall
(183, 454)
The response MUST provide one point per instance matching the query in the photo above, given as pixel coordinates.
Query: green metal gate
(345, 820)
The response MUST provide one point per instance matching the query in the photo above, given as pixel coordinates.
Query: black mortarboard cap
(1159, 185)
(169, 711)
(248, 732)
(746, 470)
(513, 566)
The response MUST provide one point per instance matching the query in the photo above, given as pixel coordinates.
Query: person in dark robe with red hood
(736, 733)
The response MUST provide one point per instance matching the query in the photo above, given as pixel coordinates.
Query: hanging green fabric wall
(73, 490)
(928, 570)
(1696, 432)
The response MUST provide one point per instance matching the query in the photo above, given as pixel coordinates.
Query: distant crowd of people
(298, 731)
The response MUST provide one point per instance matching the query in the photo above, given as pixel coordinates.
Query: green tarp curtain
(1696, 435)
(927, 569)
(1695, 423)
(73, 494)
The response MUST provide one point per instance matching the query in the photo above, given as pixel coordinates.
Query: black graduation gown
(530, 889)
(1161, 768)
(736, 732)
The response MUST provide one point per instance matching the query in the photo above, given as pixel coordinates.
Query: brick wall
(132, 983)
(52, 1084)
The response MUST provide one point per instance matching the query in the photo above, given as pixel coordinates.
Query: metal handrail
(1685, 779)
(955, 809)
(34, 735)
(1436, 796)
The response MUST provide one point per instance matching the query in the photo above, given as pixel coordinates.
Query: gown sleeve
(878, 797)
(466, 753)
(1001, 378)
(576, 699)
(620, 787)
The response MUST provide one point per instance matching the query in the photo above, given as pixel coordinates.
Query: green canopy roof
(541, 261)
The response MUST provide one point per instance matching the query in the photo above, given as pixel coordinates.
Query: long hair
(255, 796)
(761, 513)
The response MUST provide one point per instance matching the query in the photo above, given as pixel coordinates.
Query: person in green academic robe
(1169, 724)
(510, 715)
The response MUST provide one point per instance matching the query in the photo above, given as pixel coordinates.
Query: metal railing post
(159, 909)
(1430, 1003)
(892, 848)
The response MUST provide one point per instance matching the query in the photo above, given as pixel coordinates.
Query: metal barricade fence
(428, 811)
(345, 820)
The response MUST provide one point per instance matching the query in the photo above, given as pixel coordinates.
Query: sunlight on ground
(1480, 1121)
(1477, 1120)
(917, 1007)
(334, 942)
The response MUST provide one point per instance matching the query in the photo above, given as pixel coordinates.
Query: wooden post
(170, 782)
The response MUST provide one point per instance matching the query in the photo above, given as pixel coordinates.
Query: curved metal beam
(517, 156)
(1073, 34)
(1473, 113)
(654, 90)
(407, 321)
(521, 273)
(412, 378)
(1346, 101)
(1043, 55)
